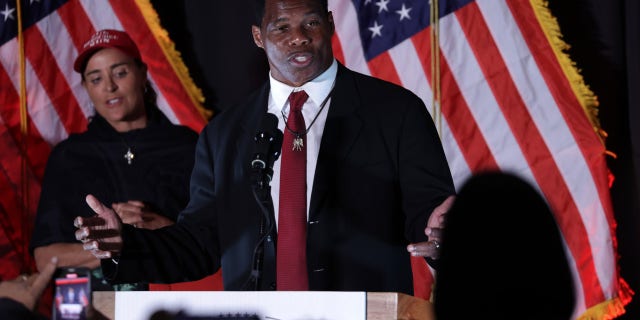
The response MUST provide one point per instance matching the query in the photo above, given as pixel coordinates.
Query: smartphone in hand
(72, 295)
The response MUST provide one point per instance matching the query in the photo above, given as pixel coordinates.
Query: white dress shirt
(318, 89)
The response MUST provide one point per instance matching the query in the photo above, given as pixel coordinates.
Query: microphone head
(268, 141)
(269, 123)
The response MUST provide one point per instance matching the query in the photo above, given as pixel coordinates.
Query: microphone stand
(262, 194)
(267, 150)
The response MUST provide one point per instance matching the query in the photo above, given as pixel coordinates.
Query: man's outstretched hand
(435, 226)
(102, 233)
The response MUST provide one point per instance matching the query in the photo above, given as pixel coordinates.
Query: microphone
(268, 142)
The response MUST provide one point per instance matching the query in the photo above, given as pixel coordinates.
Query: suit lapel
(340, 132)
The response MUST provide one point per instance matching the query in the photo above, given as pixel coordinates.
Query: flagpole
(434, 17)
(24, 129)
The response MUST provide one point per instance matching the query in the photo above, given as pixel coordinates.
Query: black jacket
(381, 170)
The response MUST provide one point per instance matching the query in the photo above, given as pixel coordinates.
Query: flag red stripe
(9, 257)
(77, 22)
(37, 149)
(382, 67)
(184, 109)
(421, 276)
(10, 186)
(422, 40)
(53, 82)
(535, 150)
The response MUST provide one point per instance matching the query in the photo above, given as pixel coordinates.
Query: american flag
(510, 99)
(56, 104)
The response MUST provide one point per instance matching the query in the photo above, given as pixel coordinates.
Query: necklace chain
(301, 134)
(129, 155)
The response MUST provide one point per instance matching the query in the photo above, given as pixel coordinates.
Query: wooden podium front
(369, 306)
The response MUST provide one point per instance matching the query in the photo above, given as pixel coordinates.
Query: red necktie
(291, 262)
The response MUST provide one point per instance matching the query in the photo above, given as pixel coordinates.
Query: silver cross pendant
(129, 156)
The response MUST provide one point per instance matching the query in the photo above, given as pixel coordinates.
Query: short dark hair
(258, 7)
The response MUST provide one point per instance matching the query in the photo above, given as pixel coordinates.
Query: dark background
(215, 40)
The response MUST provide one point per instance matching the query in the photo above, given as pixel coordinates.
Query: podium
(141, 305)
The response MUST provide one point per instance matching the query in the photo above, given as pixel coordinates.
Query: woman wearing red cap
(131, 155)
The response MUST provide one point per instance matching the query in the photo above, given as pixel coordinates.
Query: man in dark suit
(374, 161)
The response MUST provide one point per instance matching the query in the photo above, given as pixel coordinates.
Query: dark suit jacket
(381, 171)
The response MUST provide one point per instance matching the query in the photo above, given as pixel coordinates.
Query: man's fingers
(100, 233)
(42, 280)
(434, 232)
(81, 222)
(445, 206)
(101, 246)
(82, 234)
(101, 254)
(429, 249)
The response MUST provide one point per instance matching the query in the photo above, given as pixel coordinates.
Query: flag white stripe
(581, 302)
(41, 110)
(59, 41)
(163, 105)
(459, 167)
(409, 68)
(101, 14)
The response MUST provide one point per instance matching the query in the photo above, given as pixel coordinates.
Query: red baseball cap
(106, 38)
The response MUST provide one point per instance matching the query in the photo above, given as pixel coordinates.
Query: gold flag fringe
(173, 56)
(587, 99)
(610, 309)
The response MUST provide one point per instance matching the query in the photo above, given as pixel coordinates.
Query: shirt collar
(317, 89)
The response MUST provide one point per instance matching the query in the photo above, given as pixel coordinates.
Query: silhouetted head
(502, 255)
